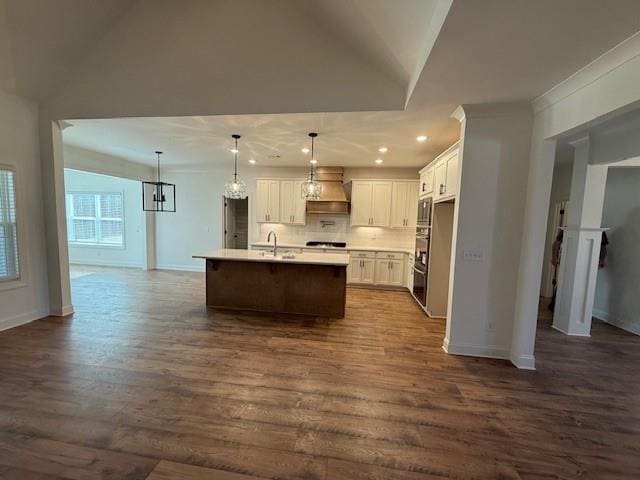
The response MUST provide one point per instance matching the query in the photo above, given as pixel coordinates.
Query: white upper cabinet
(404, 204)
(371, 203)
(267, 204)
(426, 181)
(292, 205)
(381, 204)
(361, 193)
(412, 205)
(451, 181)
(444, 176)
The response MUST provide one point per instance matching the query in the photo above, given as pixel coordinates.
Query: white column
(532, 252)
(580, 245)
(52, 162)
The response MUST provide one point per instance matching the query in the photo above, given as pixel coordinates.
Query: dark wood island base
(277, 287)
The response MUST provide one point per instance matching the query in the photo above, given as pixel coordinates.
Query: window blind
(95, 219)
(9, 259)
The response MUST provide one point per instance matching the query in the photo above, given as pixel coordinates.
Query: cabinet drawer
(360, 254)
(390, 255)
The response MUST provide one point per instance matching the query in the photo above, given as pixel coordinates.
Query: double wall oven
(420, 267)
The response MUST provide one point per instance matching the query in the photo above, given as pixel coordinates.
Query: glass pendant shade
(158, 196)
(235, 188)
(311, 188)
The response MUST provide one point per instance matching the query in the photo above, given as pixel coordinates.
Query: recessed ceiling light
(313, 161)
(234, 150)
(305, 150)
(252, 161)
(378, 161)
(421, 138)
(383, 149)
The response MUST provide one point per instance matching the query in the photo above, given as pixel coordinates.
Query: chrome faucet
(275, 242)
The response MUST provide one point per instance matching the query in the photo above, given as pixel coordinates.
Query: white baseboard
(555, 327)
(108, 263)
(606, 317)
(21, 319)
(523, 362)
(184, 268)
(476, 350)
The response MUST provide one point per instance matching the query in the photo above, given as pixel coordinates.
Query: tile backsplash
(319, 227)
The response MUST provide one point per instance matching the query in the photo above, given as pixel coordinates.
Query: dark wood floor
(143, 382)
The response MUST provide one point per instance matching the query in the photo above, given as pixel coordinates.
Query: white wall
(26, 299)
(604, 88)
(133, 252)
(196, 225)
(617, 298)
(493, 161)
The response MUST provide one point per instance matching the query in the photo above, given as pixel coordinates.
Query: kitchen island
(307, 284)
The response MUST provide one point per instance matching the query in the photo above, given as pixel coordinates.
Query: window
(95, 219)
(9, 264)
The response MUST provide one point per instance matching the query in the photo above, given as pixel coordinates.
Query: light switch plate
(472, 255)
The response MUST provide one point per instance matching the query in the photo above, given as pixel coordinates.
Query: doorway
(236, 223)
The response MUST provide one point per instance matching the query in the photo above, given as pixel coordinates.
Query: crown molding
(614, 58)
(491, 110)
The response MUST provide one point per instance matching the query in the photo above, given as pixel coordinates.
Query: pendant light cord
(313, 157)
(235, 163)
(158, 166)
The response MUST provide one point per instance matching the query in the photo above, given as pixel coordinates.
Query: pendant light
(158, 196)
(311, 188)
(234, 187)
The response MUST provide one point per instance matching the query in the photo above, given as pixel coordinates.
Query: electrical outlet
(472, 255)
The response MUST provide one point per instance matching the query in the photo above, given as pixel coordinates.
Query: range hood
(334, 199)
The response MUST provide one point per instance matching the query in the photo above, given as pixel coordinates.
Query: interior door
(361, 194)
(229, 227)
(381, 204)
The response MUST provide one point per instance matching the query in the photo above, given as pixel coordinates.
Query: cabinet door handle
(424, 186)
(442, 190)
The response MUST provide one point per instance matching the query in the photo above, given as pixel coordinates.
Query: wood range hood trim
(334, 199)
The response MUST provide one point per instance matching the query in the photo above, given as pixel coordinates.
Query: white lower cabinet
(362, 267)
(381, 268)
(390, 272)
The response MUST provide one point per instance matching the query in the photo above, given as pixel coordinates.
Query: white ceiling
(101, 58)
(345, 139)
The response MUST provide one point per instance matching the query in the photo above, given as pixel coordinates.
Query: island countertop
(309, 258)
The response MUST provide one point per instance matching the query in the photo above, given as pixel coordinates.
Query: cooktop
(314, 243)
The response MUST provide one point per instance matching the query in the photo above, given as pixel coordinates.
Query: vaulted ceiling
(411, 62)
